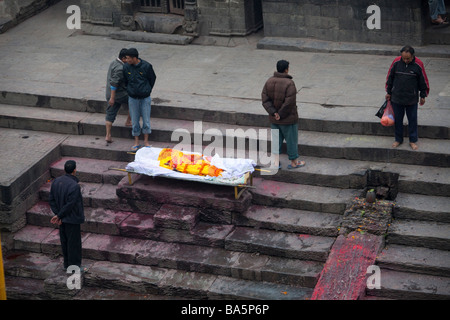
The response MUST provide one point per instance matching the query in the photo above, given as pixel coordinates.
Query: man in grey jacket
(116, 93)
(66, 203)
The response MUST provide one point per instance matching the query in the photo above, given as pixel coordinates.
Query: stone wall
(402, 21)
(228, 17)
(105, 12)
(13, 12)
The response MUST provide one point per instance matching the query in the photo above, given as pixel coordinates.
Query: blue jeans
(437, 7)
(140, 108)
(411, 114)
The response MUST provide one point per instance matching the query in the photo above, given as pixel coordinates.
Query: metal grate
(151, 3)
(176, 6)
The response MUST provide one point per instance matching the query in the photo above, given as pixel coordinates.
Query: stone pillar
(128, 8)
(190, 23)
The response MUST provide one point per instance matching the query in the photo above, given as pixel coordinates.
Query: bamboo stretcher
(239, 188)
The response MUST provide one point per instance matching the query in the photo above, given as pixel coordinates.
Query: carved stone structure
(203, 17)
(402, 21)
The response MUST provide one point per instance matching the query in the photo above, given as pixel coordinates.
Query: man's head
(123, 54)
(407, 54)
(132, 56)
(282, 66)
(70, 167)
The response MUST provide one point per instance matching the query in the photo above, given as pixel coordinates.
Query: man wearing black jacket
(406, 81)
(139, 79)
(66, 203)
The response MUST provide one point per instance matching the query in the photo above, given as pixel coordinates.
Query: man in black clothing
(66, 203)
(139, 78)
(406, 85)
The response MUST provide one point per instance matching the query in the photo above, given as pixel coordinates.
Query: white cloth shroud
(146, 162)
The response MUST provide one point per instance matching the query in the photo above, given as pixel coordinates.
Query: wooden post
(2, 275)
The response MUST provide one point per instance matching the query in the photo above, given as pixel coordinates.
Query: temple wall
(402, 21)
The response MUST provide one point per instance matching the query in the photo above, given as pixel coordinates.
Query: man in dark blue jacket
(66, 203)
(139, 79)
(405, 83)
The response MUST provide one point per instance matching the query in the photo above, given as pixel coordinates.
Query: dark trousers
(70, 235)
(411, 114)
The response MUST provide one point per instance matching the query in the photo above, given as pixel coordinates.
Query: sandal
(413, 146)
(135, 148)
(299, 164)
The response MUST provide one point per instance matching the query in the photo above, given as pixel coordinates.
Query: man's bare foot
(413, 146)
(396, 144)
(128, 122)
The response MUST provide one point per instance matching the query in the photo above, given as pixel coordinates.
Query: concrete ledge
(140, 36)
(313, 45)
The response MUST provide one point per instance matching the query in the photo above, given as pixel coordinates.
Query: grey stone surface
(45, 65)
(410, 286)
(415, 259)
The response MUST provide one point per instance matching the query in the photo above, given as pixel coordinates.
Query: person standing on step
(438, 13)
(139, 79)
(406, 81)
(279, 98)
(116, 93)
(66, 203)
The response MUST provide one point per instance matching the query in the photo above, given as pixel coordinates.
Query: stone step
(243, 112)
(132, 281)
(411, 286)
(422, 207)
(92, 170)
(25, 289)
(433, 235)
(432, 152)
(283, 244)
(214, 261)
(169, 224)
(301, 197)
(41, 149)
(326, 172)
(216, 204)
(290, 220)
(415, 259)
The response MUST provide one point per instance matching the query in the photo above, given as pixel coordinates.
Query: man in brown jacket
(279, 98)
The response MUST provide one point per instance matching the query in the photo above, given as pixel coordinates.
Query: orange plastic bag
(388, 119)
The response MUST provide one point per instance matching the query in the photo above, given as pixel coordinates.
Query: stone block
(176, 217)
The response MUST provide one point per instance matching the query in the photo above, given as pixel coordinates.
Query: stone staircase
(163, 239)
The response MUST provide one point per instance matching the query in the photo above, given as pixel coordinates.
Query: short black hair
(407, 49)
(123, 53)
(282, 65)
(70, 166)
(132, 52)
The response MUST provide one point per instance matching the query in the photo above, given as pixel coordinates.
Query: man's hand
(422, 101)
(111, 101)
(56, 220)
(277, 116)
(388, 97)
